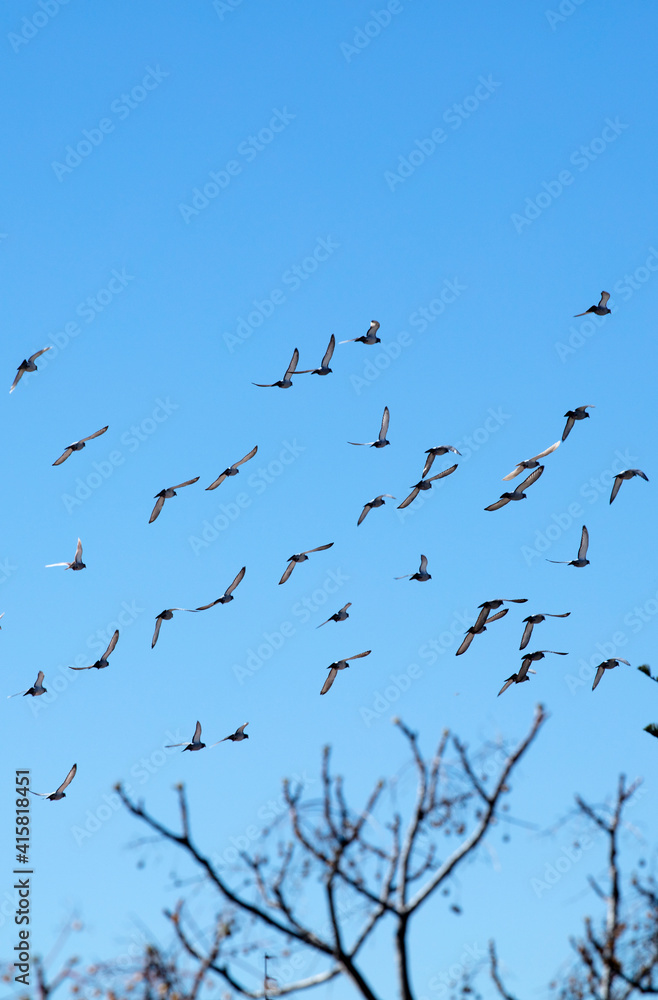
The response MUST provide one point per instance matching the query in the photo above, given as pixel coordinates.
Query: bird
(27, 366)
(424, 484)
(515, 679)
(601, 309)
(422, 575)
(77, 562)
(529, 658)
(607, 665)
(103, 662)
(533, 620)
(59, 793)
(377, 502)
(286, 381)
(36, 689)
(473, 631)
(301, 557)
(369, 338)
(340, 665)
(580, 413)
(518, 493)
(324, 368)
(79, 445)
(381, 441)
(232, 470)
(167, 495)
(626, 474)
(582, 559)
(340, 616)
(433, 453)
(165, 616)
(530, 463)
(228, 593)
(237, 736)
(194, 744)
(488, 606)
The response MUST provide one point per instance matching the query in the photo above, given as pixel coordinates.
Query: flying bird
(340, 616)
(59, 793)
(165, 616)
(425, 484)
(530, 463)
(369, 338)
(607, 665)
(518, 493)
(232, 470)
(324, 368)
(36, 689)
(27, 366)
(533, 620)
(473, 631)
(433, 453)
(580, 413)
(167, 495)
(286, 381)
(627, 474)
(340, 665)
(515, 679)
(492, 606)
(79, 445)
(77, 562)
(301, 557)
(228, 593)
(377, 502)
(582, 559)
(194, 744)
(601, 309)
(529, 658)
(237, 736)
(103, 662)
(381, 441)
(422, 573)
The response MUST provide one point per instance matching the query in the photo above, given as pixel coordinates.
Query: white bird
(422, 575)
(165, 616)
(580, 413)
(381, 441)
(377, 502)
(582, 559)
(36, 689)
(301, 557)
(232, 470)
(286, 381)
(433, 453)
(607, 665)
(59, 793)
(601, 309)
(237, 736)
(626, 474)
(324, 368)
(369, 338)
(79, 445)
(518, 493)
(424, 484)
(194, 744)
(167, 495)
(530, 463)
(228, 593)
(340, 665)
(477, 630)
(340, 616)
(77, 562)
(103, 662)
(27, 366)
(488, 606)
(533, 620)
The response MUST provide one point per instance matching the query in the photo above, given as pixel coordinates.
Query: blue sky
(252, 180)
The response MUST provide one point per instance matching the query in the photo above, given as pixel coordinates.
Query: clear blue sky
(469, 176)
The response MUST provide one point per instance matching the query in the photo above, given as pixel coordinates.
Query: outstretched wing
(240, 730)
(508, 682)
(423, 564)
(159, 504)
(67, 780)
(293, 364)
(246, 457)
(604, 300)
(218, 481)
(364, 513)
(446, 472)
(357, 656)
(96, 434)
(287, 571)
(584, 543)
(498, 504)
(567, 429)
(527, 632)
(19, 376)
(532, 478)
(188, 482)
(466, 642)
(113, 642)
(616, 486)
(329, 352)
(197, 733)
(237, 580)
(158, 625)
(410, 499)
(428, 463)
(331, 677)
(320, 548)
(599, 674)
(384, 427)
(64, 456)
(78, 551)
(38, 354)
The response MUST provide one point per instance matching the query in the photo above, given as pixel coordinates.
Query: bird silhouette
(300, 557)
(103, 662)
(377, 502)
(580, 413)
(477, 630)
(381, 441)
(36, 689)
(424, 484)
(601, 309)
(422, 575)
(340, 665)
(194, 744)
(27, 365)
(530, 463)
(232, 470)
(533, 620)
(167, 495)
(626, 474)
(607, 665)
(518, 493)
(582, 559)
(77, 561)
(286, 381)
(78, 445)
(340, 616)
(369, 338)
(59, 793)
(324, 368)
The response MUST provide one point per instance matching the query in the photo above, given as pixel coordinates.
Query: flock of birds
(484, 617)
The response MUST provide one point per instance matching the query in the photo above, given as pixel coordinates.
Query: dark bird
(582, 559)
(35, 690)
(340, 616)
(580, 413)
(27, 366)
(627, 474)
(381, 441)
(165, 616)
(77, 562)
(530, 463)
(529, 658)
(103, 662)
(601, 309)
(237, 736)
(607, 665)
(59, 793)
(533, 620)
(492, 606)
(228, 593)
(422, 575)
(340, 665)
(167, 495)
(370, 337)
(473, 631)
(425, 484)
(194, 744)
(515, 679)
(301, 557)
(79, 445)
(377, 502)
(286, 381)
(324, 368)
(433, 453)
(232, 470)
(518, 493)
